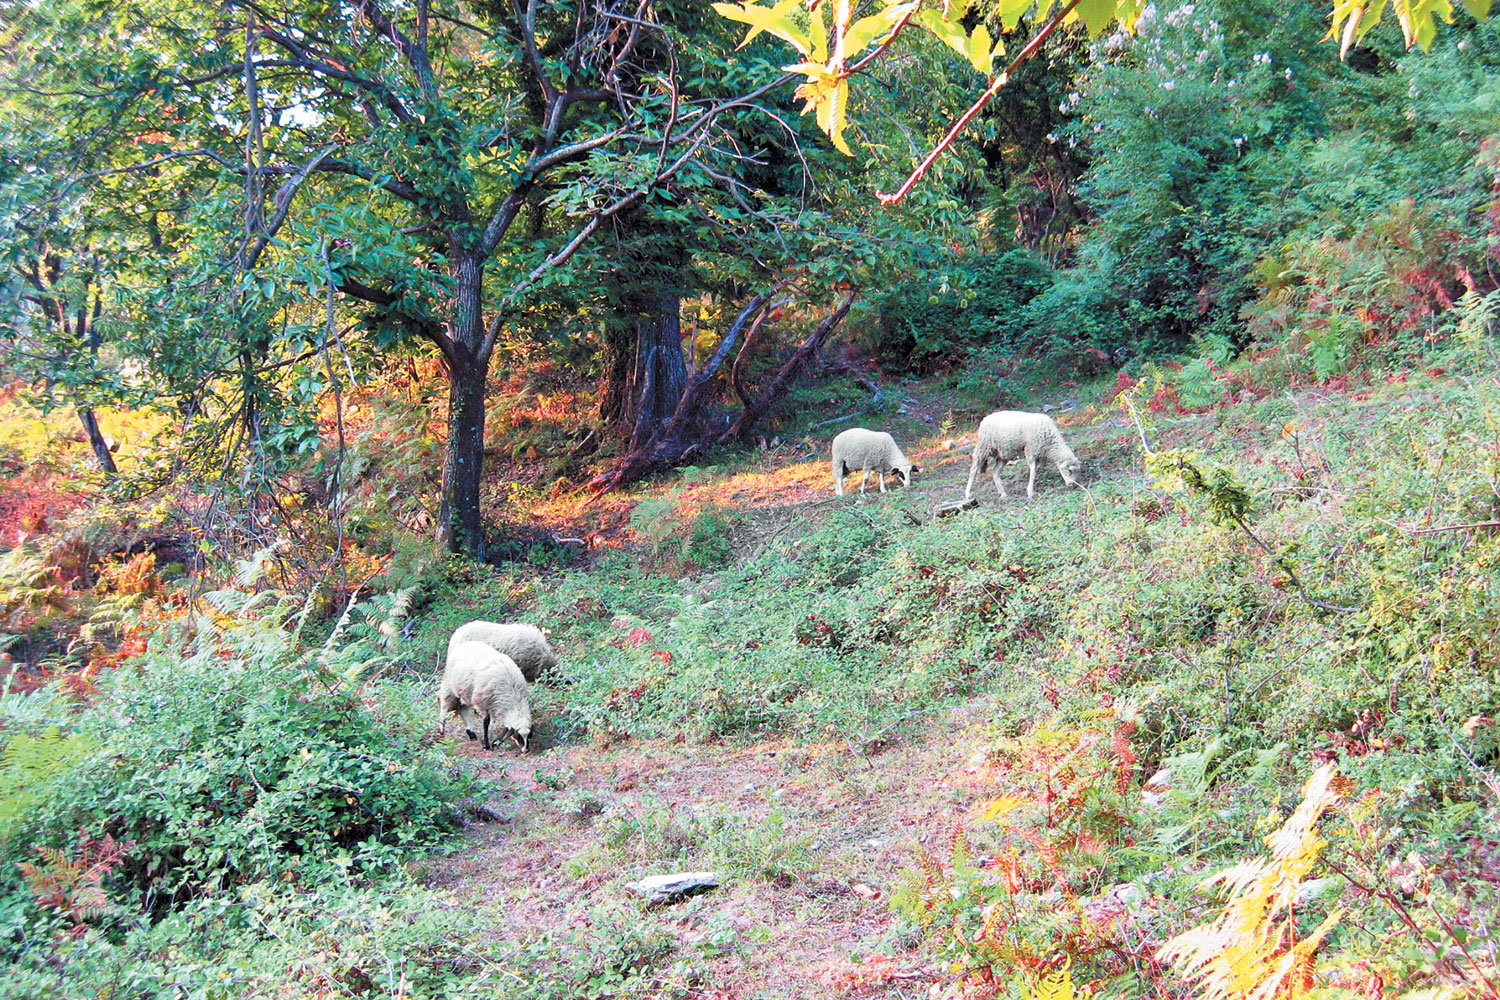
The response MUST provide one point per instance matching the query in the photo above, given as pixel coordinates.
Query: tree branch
(284, 195)
(994, 88)
(526, 27)
(414, 54)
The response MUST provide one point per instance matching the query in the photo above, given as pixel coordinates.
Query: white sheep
(526, 644)
(478, 681)
(1012, 434)
(865, 450)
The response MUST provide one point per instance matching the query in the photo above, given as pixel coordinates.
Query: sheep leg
(839, 472)
(999, 465)
(880, 475)
(486, 743)
(975, 467)
(471, 726)
(1031, 482)
(864, 477)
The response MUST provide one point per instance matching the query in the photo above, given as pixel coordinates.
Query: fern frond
(1250, 950)
(1057, 986)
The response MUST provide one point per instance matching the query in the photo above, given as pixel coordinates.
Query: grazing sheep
(1012, 434)
(480, 681)
(526, 644)
(865, 450)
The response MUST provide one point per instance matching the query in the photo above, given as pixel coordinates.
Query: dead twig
(1438, 530)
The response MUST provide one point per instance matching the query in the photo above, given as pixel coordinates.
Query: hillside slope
(860, 699)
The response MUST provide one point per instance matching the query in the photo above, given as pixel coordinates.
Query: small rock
(874, 843)
(749, 786)
(865, 891)
(953, 507)
(660, 888)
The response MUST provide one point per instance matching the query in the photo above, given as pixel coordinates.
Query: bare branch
(526, 27)
(305, 59)
(989, 92)
(284, 195)
(414, 54)
(502, 312)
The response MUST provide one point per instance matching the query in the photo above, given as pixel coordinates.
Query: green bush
(231, 753)
(952, 307)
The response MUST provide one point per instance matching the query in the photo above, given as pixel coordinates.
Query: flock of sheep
(1003, 437)
(489, 665)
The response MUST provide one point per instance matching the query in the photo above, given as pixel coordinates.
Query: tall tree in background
(443, 163)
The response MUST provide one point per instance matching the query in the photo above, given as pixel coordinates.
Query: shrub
(230, 752)
(937, 318)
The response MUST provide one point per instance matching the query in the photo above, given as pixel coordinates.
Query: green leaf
(1096, 15)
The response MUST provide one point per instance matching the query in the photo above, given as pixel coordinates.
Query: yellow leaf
(1003, 806)
(980, 50)
(873, 29)
(1096, 15)
(947, 28)
(831, 116)
(775, 19)
(827, 93)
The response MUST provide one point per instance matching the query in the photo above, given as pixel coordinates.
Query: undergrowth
(1305, 580)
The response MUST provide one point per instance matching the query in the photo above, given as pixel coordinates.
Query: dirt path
(800, 900)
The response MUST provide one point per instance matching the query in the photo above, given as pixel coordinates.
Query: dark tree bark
(675, 442)
(616, 381)
(96, 440)
(660, 371)
(460, 524)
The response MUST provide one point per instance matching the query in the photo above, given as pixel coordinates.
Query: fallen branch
(1446, 527)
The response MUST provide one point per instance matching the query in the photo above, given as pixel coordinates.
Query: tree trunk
(667, 443)
(96, 440)
(460, 527)
(644, 371)
(617, 381)
(779, 383)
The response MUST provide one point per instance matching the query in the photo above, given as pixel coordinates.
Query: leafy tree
(835, 45)
(446, 165)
